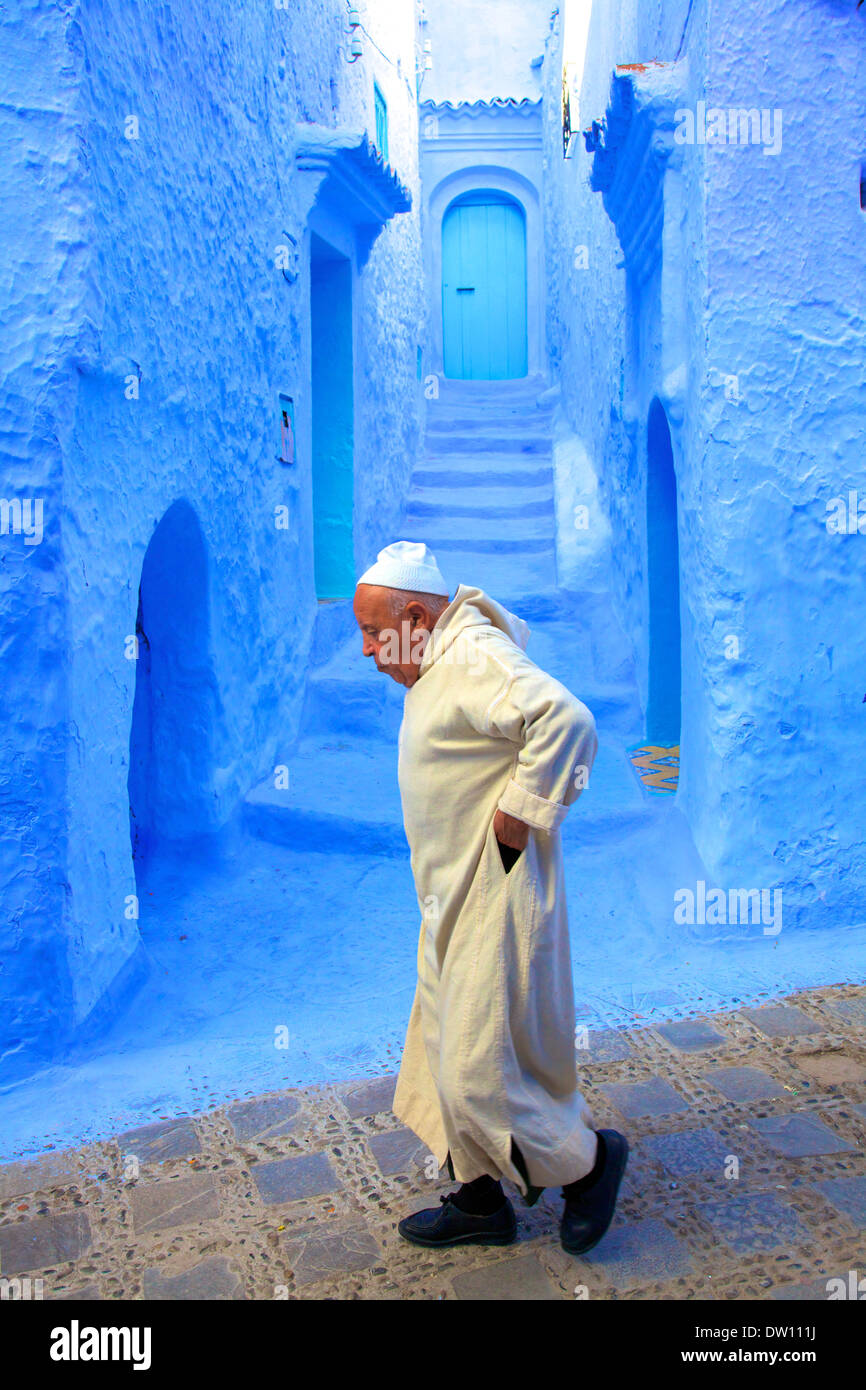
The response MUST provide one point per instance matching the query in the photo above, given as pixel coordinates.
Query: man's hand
(510, 831)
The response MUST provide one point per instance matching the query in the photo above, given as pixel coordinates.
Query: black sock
(482, 1197)
(572, 1190)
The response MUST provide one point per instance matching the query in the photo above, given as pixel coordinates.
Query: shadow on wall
(171, 766)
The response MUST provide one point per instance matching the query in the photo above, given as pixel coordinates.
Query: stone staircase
(482, 497)
(482, 492)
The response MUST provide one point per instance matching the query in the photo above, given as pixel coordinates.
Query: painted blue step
(511, 579)
(470, 471)
(517, 419)
(484, 442)
(504, 502)
(483, 532)
(346, 797)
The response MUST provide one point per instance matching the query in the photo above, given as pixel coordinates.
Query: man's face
(395, 642)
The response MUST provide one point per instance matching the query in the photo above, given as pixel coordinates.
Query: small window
(381, 123)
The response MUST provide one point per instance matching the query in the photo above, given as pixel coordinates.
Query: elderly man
(492, 751)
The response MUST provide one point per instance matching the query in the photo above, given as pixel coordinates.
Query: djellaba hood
(471, 607)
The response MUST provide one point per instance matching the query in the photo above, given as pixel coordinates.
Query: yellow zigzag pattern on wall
(658, 768)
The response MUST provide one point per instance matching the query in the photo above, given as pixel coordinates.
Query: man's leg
(481, 1197)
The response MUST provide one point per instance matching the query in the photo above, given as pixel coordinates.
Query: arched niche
(170, 782)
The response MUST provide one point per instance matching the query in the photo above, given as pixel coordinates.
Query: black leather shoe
(448, 1225)
(587, 1217)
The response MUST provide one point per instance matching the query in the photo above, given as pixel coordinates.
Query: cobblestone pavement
(297, 1194)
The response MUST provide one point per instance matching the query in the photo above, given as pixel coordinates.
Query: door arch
(484, 287)
(663, 583)
(170, 781)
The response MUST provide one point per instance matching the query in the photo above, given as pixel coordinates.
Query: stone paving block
(781, 1020)
(691, 1035)
(756, 1221)
(159, 1206)
(157, 1142)
(799, 1136)
(861, 1109)
(325, 1256)
(294, 1179)
(53, 1170)
(688, 1152)
(851, 1010)
(212, 1280)
(847, 1195)
(43, 1242)
(604, 1045)
(833, 1069)
(520, 1280)
(653, 1097)
(744, 1083)
(399, 1151)
(265, 1117)
(815, 1291)
(371, 1097)
(638, 1252)
(88, 1294)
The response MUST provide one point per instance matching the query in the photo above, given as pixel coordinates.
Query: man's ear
(416, 613)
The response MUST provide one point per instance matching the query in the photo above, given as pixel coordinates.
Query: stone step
(345, 797)
(340, 797)
(506, 392)
(511, 578)
(516, 418)
(348, 693)
(498, 501)
(482, 471)
(488, 442)
(466, 539)
(513, 532)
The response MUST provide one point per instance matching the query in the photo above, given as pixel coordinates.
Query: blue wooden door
(484, 287)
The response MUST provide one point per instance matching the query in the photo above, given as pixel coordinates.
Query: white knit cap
(406, 565)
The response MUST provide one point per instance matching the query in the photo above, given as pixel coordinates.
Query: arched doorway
(170, 779)
(484, 287)
(663, 582)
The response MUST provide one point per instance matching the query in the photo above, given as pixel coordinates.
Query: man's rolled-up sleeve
(557, 740)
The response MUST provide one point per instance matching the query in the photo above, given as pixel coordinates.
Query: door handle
(465, 289)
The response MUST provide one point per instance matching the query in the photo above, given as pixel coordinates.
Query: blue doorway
(333, 421)
(484, 287)
(663, 582)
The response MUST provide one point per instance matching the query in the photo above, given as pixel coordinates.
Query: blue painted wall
(746, 320)
(149, 191)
